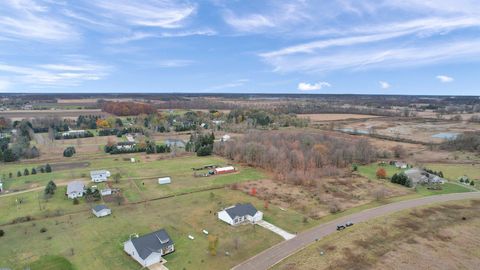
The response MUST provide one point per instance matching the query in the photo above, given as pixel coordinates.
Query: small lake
(354, 131)
(446, 135)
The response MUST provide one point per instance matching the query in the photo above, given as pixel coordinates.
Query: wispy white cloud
(172, 63)
(26, 19)
(249, 23)
(303, 86)
(445, 78)
(384, 85)
(150, 13)
(136, 36)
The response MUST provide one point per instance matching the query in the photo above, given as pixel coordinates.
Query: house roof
(240, 210)
(225, 169)
(99, 207)
(75, 186)
(98, 172)
(152, 242)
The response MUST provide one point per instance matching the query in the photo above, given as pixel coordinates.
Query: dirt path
(59, 184)
(281, 251)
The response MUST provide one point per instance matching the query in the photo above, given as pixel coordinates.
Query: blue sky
(271, 46)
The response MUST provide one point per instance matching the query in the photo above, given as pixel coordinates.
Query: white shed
(164, 180)
(101, 211)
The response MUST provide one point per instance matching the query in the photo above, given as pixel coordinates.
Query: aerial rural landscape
(243, 135)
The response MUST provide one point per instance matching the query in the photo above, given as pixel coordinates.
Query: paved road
(275, 254)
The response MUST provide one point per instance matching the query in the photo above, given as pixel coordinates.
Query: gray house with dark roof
(240, 213)
(148, 249)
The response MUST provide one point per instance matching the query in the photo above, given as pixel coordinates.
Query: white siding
(223, 215)
(164, 180)
(102, 213)
(130, 250)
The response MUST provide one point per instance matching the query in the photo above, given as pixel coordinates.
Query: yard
(139, 178)
(93, 243)
(454, 171)
(370, 171)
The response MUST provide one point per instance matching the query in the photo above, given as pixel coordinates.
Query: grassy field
(138, 183)
(93, 243)
(148, 169)
(446, 188)
(454, 171)
(370, 171)
(433, 237)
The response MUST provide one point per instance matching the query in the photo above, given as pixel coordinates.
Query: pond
(446, 135)
(354, 131)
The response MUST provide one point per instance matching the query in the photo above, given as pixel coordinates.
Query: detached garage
(101, 211)
(164, 180)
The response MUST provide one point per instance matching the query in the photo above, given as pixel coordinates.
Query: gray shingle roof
(152, 242)
(75, 186)
(99, 208)
(241, 210)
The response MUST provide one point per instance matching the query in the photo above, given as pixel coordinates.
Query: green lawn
(446, 188)
(93, 243)
(370, 171)
(454, 171)
(50, 262)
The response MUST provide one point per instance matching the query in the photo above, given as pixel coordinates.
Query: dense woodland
(469, 141)
(297, 157)
(127, 108)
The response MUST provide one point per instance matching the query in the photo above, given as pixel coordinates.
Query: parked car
(348, 224)
(340, 227)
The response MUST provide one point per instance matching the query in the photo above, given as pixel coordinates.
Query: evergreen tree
(34, 171)
(26, 172)
(48, 168)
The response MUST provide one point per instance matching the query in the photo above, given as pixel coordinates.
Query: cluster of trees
(87, 121)
(401, 179)
(127, 108)
(439, 173)
(202, 144)
(297, 157)
(69, 151)
(92, 195)
(18, 145)
(264, 118)
(468, 141)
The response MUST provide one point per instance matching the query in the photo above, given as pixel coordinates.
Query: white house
(164, 180)
(99, 176)
(148, 249)
(101, 211)
(73, 132)
(125, 145)
(240, 213)
(223, 170)
(75, 189)
(1, 187)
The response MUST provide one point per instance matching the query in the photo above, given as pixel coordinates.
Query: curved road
(277, 253)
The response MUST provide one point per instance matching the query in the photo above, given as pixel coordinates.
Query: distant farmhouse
(148, 249)
(125, 145)
(225, 138)
(175, 143)
(75, 189)
(419, 176)
(73, 133)
(101, 211)
(240, 213)
(99, 176)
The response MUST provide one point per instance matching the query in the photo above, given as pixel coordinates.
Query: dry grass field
(15, 115)
(435, 237)
(334, 116)
(330, 193)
